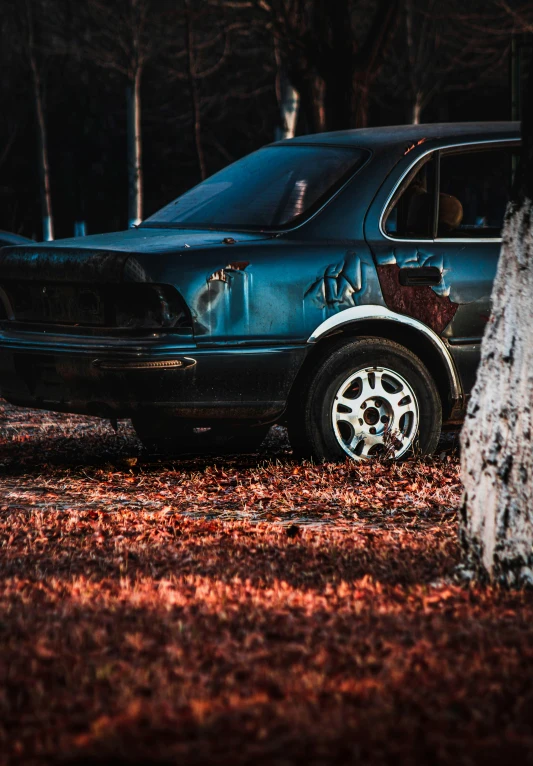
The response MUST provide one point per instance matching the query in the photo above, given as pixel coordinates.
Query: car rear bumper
(112, 377)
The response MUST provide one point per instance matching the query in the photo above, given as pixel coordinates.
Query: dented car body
(221, 307)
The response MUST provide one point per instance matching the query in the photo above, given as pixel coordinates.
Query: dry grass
(250, 612)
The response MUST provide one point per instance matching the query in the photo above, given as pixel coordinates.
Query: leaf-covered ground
(244, 610)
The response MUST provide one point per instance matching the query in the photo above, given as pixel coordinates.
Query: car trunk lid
(100, 282)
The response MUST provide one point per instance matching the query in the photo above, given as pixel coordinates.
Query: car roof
(391, 135)
(14, 239)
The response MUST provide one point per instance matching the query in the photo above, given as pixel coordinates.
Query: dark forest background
(215, 79)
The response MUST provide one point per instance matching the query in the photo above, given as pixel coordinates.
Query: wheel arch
(379, 322)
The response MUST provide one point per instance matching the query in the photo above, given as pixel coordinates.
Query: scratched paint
(228, 272)
(222, 304)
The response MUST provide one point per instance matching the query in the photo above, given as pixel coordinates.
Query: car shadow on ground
(31, 440)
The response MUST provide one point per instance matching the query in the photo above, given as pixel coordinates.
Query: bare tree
(210, 39)
(44, 167)
(192, 76)
(22, 30)
(438, 48)
(120, 37)
(497, 438)
(287, 97)
(332, 52)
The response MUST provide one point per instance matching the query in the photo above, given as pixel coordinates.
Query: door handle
(418, 277)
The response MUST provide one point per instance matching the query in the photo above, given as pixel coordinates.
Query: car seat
(450, 214)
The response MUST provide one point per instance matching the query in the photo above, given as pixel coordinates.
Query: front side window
(272, 188)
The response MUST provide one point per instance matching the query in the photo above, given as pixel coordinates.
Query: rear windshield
(272, 188)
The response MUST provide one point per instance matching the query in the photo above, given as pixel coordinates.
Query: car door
(437, 239)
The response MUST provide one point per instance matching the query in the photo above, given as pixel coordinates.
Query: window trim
(484, 144)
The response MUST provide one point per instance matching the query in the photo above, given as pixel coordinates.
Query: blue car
(337, 283)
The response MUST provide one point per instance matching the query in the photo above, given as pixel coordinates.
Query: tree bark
(312, 91)
(496, 525)
(497, 439)
(360, 115)
(44, 167)
(339, 98)
(338, 64)
(195, 96)
(288, 99)
(416, 110)
(288, 102)
(134, 149)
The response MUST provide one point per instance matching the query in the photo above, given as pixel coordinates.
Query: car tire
(165, 435)
(368, 397)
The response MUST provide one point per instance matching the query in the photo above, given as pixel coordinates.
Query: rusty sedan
(338, 283)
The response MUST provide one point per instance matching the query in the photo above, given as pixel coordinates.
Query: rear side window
(411, 215)
(474, 190)
(454, 194)
(274, 187)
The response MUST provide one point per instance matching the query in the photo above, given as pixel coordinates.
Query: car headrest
(450, 213)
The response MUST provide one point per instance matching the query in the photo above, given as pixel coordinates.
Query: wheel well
(402, 334)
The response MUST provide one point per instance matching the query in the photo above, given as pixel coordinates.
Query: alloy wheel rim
(375, 413)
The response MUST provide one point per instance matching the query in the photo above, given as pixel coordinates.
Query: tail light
(129, 306)
(145, 306)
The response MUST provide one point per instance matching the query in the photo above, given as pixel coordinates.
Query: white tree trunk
(416, 110)
(134, 148)
(497, 439)
(287, 96)
(44, 167)
(288, 101)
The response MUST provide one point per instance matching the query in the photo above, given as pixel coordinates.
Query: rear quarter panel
(272, 292)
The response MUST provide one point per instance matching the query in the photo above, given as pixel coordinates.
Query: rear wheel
(370, 397)
(166, 435)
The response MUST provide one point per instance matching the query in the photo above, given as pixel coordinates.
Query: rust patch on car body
(421, 302)
(412, 146)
